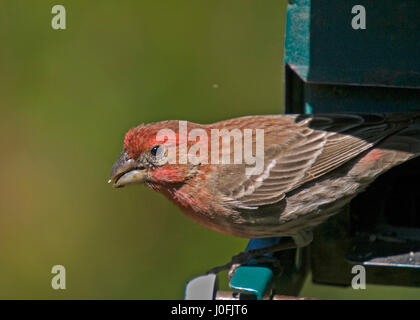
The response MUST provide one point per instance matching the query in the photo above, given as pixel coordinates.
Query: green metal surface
(331, 67)
(323, 47)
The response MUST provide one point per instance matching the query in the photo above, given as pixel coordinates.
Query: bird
(311, 166)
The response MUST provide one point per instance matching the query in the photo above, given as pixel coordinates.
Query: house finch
(313, 165)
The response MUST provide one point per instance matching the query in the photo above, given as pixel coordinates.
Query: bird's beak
(126, 171)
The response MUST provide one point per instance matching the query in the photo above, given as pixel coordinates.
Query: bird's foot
(240, 258)
(256, 254)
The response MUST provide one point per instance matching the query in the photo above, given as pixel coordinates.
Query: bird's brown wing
(315, 146)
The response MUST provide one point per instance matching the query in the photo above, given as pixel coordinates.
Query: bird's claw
(237, 260)
(240, 259)
(257, 254)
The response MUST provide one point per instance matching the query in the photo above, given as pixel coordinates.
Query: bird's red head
(145, 155)
(139, 139)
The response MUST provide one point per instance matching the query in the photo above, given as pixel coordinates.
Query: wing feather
(316, 145)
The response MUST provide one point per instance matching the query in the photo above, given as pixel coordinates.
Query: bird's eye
(154, 150)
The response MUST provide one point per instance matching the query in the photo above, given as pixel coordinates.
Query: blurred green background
(67, 99)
